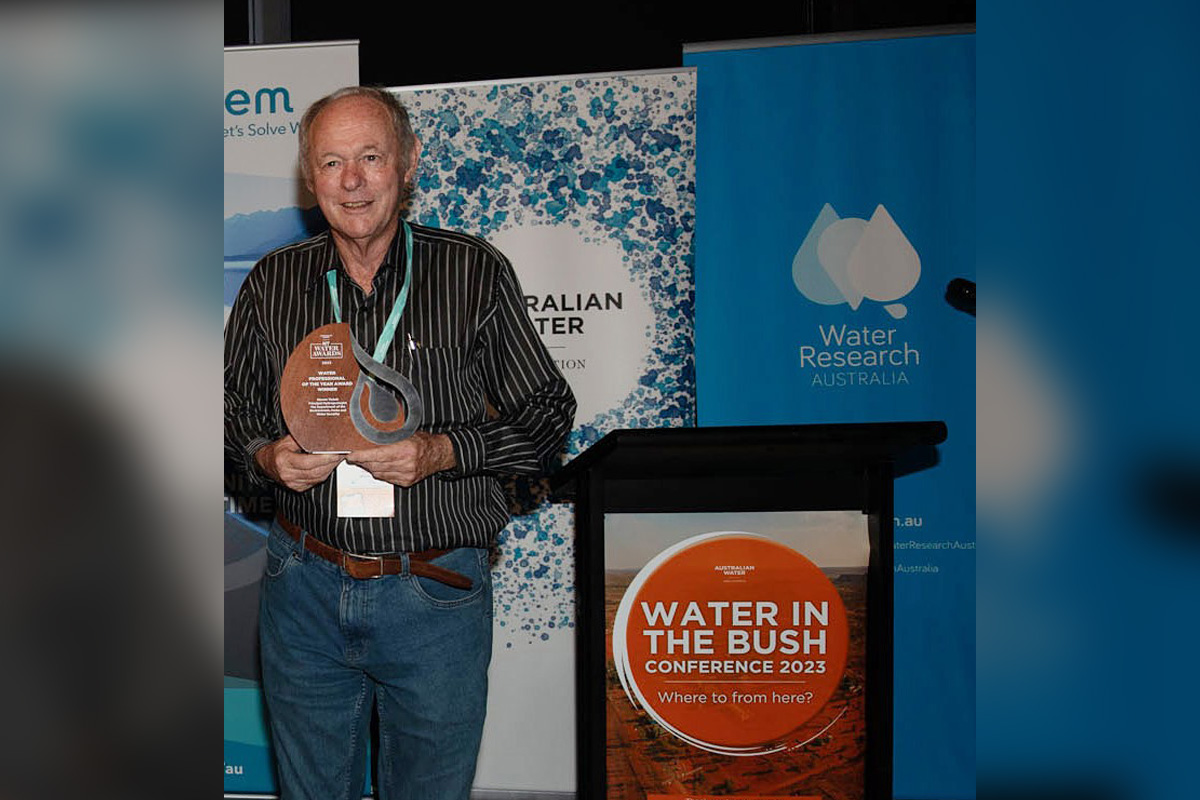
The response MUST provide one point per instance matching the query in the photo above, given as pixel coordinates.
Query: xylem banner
(835, 202)
(267, 90)
(587, 184)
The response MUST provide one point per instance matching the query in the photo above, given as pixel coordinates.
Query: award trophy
(336, 398)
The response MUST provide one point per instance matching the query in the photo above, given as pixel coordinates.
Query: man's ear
(306, 177)
(414, 157)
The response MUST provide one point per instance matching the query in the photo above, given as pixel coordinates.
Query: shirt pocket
(448, 383)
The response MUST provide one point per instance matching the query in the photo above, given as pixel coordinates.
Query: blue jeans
(416, 649)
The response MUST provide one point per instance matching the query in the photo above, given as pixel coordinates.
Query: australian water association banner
(587, 184)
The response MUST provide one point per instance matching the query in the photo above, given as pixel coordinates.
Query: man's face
(355, 169)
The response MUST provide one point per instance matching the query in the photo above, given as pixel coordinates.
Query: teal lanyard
(389, 327)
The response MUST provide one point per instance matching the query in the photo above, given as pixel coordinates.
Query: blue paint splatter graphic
(614, 158)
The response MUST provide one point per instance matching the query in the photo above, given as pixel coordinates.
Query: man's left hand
(407, 462)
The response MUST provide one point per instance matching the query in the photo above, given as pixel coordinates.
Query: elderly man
(387, 612)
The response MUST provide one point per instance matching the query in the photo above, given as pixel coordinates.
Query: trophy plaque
(336, 398)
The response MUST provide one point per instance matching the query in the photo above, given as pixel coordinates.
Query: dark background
(404, 44)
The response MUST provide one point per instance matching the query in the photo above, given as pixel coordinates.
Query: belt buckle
(376, 559)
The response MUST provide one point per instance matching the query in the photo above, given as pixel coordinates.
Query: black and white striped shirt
(484, 376)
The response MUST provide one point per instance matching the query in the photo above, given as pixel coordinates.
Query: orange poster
(736, 655)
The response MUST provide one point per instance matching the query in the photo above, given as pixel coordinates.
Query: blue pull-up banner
(835, 204)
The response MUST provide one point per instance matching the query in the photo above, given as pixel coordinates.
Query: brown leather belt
(377, 566)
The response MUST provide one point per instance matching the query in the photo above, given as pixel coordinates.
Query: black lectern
(804, 468)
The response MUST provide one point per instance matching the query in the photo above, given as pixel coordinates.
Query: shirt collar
(328, 258)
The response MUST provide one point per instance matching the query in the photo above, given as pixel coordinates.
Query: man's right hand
(284, 462)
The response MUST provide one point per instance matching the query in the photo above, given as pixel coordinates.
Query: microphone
(960, 293)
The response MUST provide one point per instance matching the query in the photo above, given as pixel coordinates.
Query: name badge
(360, 494)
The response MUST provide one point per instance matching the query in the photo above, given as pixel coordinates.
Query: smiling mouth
(356, 204)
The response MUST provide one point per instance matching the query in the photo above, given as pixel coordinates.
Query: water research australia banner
(835, 203)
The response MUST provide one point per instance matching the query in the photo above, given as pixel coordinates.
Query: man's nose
(352, 176)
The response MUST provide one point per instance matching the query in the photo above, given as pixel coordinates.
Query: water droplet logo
(849, 260)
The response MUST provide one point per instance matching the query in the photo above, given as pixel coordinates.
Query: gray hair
(405, 138)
